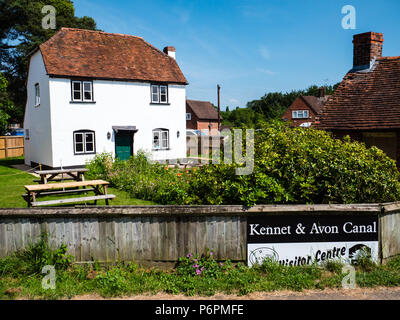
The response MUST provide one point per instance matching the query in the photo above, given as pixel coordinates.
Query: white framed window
(160, 139)
(155, 94)
(163, 94)
(159, 93)
(82, 91)
(188, 116)
(37, 94)
(84, 142)
(87, 91)
(300, 114)
(27, 134)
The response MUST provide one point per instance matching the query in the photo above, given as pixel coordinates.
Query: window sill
(83, 102)
(83, 154)
(161, 149)
(37, 105)
(160, 103)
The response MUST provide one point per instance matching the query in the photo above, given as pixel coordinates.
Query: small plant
(205, 265)
(37, 255)
(111, 282)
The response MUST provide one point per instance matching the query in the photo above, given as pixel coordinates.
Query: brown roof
(367, 99)
(203, 109)
(95, 54)
(315, 103)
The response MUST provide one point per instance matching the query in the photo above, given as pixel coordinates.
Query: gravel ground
(380, 293)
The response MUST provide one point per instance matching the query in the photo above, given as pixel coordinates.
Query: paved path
(381, 293)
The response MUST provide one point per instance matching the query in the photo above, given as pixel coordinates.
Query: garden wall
(161, 234)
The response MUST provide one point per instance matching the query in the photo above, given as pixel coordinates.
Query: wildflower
(198, 272)
(221, 264)
(195, 266)
(179, 174)
(189, 255)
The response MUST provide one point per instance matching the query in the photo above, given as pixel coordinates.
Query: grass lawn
(12, 183)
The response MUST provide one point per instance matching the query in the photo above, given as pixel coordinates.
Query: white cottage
(92, 92)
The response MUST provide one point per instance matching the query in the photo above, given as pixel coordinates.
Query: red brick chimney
(367, 46)
(170, 51)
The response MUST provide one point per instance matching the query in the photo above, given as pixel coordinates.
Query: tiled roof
(203, 109)
(95, 54)
(367, 99)
(315, 103)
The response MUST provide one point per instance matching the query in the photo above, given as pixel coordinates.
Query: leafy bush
(206, 266)
(111, 282)
(141, 178)
(300, 166)
(32, 259)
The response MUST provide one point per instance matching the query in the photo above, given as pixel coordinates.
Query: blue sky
(250, 47)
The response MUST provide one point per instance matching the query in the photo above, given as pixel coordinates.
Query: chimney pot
(170, 51)
(321, 92)
(367, 47)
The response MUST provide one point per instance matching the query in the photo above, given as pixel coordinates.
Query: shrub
(141, 178)
(301, 166)
(205, 266)
(35, 257)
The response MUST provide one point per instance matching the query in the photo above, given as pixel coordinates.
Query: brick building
(366, 105)
(305, 109)
(201, 115)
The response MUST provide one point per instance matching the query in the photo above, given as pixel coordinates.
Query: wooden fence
(11, 146)
(154, 235)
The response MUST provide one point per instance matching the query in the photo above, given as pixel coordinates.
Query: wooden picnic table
(98, 186)
(77, 174)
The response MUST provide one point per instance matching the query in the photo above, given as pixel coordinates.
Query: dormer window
(37, 94)
(159, 93)
(300, 114)
(82, 91)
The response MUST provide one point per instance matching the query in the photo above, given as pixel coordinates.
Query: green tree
(6, 106)
(21, 32)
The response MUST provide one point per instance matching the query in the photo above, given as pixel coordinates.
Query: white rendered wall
(117, 103)
(37, 118)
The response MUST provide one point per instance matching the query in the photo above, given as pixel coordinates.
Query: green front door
(123, 146)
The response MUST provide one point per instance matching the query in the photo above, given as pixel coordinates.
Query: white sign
(303, 240)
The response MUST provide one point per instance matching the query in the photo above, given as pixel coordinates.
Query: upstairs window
(37, 94)
(160, 139)
(188, 116)
(82, 91)
(84, 142)
(159, 93)
(300, 114)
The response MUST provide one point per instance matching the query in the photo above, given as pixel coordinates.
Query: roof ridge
(198, 100)
(99, 31)
(388, 58)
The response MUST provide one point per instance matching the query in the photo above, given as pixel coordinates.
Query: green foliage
(271, 106)
(6, 106)
(215, 277)
(112, 282)
(21, 31)
(203, 266)
(32, 259)
(141, 178)
(300, 166)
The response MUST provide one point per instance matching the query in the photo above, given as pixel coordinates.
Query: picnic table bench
(77, 174)
(98, 186)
